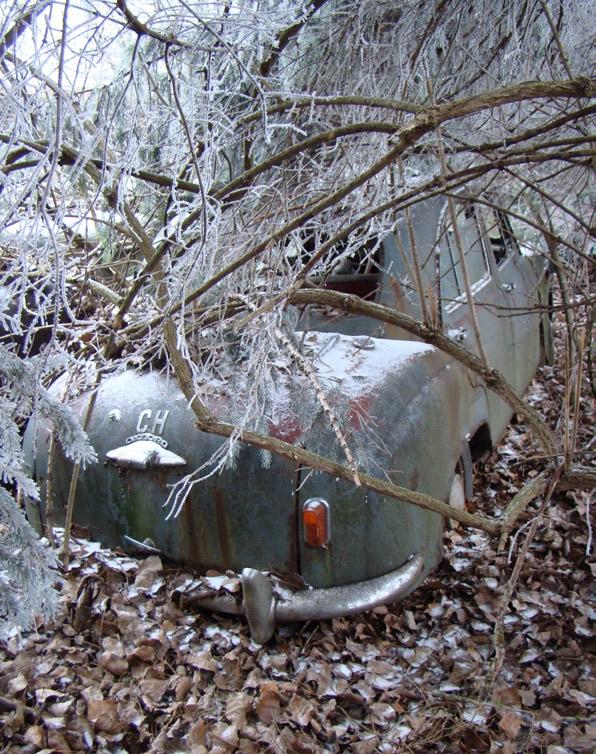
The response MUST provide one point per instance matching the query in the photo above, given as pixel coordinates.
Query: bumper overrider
(263, 609)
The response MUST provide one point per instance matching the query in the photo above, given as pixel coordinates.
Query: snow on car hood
(357, 364)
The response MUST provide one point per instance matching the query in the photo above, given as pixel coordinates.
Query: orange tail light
(315, 521)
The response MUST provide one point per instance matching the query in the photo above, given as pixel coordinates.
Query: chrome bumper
(263, 610)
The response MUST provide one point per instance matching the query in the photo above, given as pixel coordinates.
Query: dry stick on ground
(564, 417)
(575, 396)
(577, 478)
(528, 493)
(47, 529)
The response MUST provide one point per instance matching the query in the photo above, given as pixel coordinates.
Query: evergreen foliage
(27, 570)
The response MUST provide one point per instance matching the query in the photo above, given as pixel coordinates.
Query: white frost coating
(475, 288)
(144, 454)
(348, 363)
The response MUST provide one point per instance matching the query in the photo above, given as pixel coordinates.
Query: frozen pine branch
(24, 395)
(28, 570)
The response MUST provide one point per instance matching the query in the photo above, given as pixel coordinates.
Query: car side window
(471, 237)
(450, 271)
(498, 232)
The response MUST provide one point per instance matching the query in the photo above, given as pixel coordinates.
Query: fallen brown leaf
(267, 705)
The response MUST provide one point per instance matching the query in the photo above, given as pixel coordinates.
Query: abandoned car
(352, 548)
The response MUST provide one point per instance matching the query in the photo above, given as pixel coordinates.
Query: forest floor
(123, 668)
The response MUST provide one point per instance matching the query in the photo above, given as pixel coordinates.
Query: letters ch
(159, 421)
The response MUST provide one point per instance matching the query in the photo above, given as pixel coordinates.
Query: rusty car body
(433, 415)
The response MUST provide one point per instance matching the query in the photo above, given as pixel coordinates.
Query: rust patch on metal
(359, 411)
(192, 542)
(294, 523)
(222, 524)
(288, 430)
(161, 477)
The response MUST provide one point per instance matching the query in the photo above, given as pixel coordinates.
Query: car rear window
(355, 271)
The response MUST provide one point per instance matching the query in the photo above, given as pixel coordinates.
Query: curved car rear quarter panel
(422, 412)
